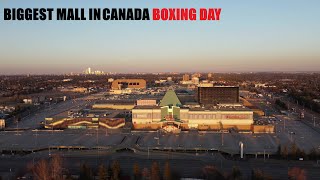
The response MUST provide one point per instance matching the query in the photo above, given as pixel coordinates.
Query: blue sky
(252, 35)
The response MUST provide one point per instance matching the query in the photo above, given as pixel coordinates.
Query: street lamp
(221, 130)
(158, 138)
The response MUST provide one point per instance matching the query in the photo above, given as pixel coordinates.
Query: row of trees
(48, 169)
(305, 99)
(53, 170)
(281, 104)
(293, 152)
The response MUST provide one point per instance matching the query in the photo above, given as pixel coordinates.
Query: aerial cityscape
(160, 126)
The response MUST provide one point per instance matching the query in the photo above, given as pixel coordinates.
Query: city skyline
(81, 70)
(251, 36)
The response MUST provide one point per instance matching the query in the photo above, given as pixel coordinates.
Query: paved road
(290, 129)
(33, 121)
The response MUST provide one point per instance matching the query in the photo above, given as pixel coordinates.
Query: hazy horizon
(252, 36)
(74, 72)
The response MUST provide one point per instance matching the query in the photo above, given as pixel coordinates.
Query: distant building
(98, 72)
(128, 83)
(75, 89)
(66, 80)
(205, 84)
(186, 77)
(198, 75)
(27, 101)
(87, 71)
(195, 80)
(2, 123)
(110, 80)
(218, 95)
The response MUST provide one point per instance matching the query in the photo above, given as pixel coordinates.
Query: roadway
(33, 121)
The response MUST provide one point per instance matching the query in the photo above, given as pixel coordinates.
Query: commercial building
(172, 116)
(85, 119)
(218, 95)
(128, 83)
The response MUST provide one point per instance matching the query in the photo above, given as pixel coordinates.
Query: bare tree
(155, 171)
(145, 174)
(136, 171)
(56, 167)
(115, 170)
(85, 173)
(257, 174)
(167, 172)
(211, 172)
(102, 172)
(235, 174)
(41, 170)
(296, 173)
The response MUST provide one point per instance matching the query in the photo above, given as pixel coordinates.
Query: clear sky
(252, 35)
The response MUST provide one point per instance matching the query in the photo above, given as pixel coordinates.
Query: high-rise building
(95, 72)
(87, 71)
(218, 95)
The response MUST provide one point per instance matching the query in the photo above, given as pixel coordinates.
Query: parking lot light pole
(158, 138)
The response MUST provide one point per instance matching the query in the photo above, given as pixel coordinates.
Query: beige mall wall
(112, 106)
(204, 127)
(263, 129)
(146, 126)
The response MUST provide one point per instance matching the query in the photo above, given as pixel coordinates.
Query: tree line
(292, 152)
(52, 169)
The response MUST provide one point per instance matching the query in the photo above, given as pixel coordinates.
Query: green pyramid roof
(170, 98)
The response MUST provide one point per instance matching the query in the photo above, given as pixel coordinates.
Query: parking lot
(288, 130)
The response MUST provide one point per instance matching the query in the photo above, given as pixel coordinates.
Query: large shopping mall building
(171, 115)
